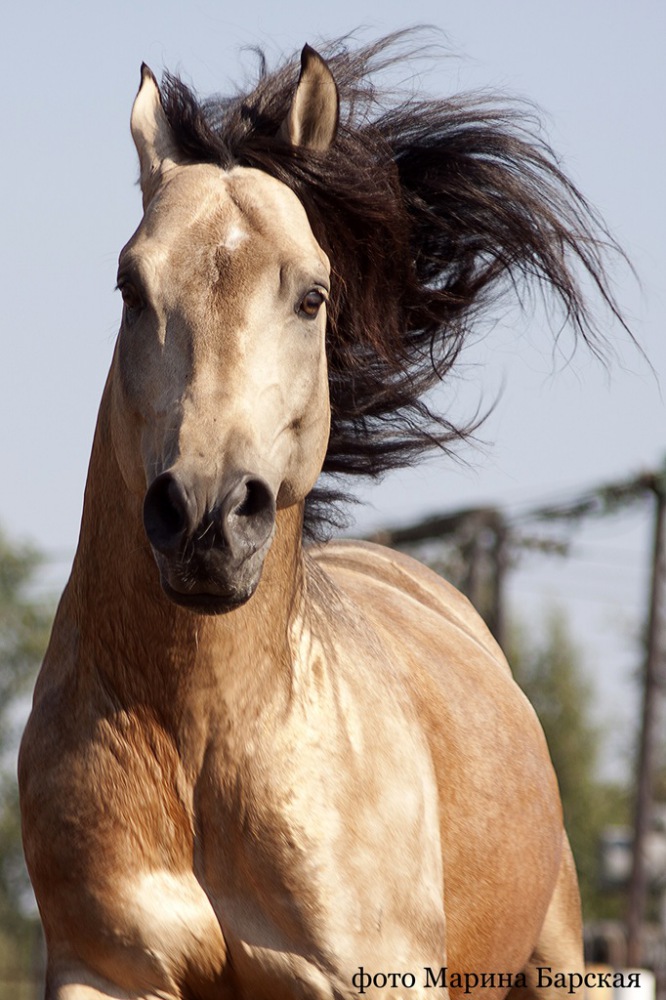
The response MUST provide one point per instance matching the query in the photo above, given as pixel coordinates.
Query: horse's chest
(308, 852)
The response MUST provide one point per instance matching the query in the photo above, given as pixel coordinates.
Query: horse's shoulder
(384, 579)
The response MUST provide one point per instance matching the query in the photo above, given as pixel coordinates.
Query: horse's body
(253, 768)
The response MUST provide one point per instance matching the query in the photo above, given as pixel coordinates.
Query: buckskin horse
(256, 768)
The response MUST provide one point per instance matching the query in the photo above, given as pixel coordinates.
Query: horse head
(219, 387)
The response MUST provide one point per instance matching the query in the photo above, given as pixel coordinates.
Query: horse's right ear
(315, 107)
(152, 134)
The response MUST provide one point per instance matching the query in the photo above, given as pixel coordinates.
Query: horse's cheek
(307, 451)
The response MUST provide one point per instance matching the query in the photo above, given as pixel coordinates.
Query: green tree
(24, 629)
(551, 672)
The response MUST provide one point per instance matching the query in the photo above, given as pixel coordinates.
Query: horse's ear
(315, 107)
(152, 134)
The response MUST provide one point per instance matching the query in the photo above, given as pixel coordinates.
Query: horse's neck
(130, 634)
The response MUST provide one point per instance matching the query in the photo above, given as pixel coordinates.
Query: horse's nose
(168, 513)
(247, 515)
(241, 520)
(248, 510)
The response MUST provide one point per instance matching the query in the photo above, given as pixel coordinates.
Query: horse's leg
(80, 991)
(560, 945)
(78, 982)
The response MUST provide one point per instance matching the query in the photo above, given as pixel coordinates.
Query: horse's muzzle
(209, 562)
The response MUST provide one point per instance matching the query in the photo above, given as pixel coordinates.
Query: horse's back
(498, 798)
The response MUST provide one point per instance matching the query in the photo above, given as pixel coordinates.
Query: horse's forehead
(205, 206)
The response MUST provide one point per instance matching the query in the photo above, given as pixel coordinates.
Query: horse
(260, 763)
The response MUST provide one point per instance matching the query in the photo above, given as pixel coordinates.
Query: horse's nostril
(257, 499)
(248, 515)
(165, 513)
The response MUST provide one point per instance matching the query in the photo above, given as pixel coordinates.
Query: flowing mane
(427, 209)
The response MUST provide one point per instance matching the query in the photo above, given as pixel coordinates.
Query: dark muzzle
(209, 555)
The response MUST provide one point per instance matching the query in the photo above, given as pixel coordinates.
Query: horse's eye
(132, 298)
(312, 303)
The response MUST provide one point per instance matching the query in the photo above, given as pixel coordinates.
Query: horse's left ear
(152, 134)
(315, 107)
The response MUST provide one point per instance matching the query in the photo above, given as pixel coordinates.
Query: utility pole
(482, 537)
(654, 677)
(500, 563)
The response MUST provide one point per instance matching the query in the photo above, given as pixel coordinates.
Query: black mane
(426, 209)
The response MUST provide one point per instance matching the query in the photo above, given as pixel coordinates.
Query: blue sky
(68, 172)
